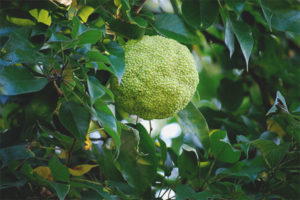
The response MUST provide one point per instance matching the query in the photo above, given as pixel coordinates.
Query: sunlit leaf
(80, 170)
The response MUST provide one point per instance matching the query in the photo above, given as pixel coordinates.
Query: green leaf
(18, 152)
(97, 187)
(244, 36)
(96, 90)
(97, 56)
(278, 103)
(138, 167)
(78, 28)
(271, 152)
(126, 9)
(184, 192)
(59, 172)
(200, 13)
(236, 5)
(61, 189)
(231, 93)
(280, 16)
(90, 36)
(18, 80)
(229, 37)
(75, 118)
(188, 163)
(173, 27)
(116, 58)
(44, 17)
(193, 122)
(108, 121)
(221, 147)
(127, 30)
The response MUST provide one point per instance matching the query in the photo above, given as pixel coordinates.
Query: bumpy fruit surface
(160, 78)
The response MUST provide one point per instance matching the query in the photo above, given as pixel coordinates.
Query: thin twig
(150, 127)
(139, 8)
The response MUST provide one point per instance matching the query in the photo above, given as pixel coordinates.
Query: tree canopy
(62, 137)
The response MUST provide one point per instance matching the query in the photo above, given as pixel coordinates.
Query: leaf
(271, 152)
(221, 147)
(85, 12)
(59, 171)
(18, 80)
(97, 56)
(139, 175)
(89, 36)
(17, 152)
(188, 163)
(236, 5)
(44, 17)
(96, 90)
(200, 13)
(278, 103)
(108, 121)
(170, 25)
(44, 172)
(280, 16)
(75, 118)
(184, 192)
(116, 58)
(229, 37)
(97, 187)
(80, 170)
(126, 9)
(61, 189)
(244, 36)
(78, 28)
(127, 30)
(193, 122)
(231, 93)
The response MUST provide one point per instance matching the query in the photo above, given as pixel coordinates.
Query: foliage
(240, 133)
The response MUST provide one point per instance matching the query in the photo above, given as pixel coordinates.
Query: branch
(211, 38)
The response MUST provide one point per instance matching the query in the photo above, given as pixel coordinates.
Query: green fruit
(160, 78)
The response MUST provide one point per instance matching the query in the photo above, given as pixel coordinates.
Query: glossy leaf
(193, 122)
(117, 59)
(244, 36)
(80, 170)
(61, 189)
(184, 192)
(172, 26)
(127, 30)
(278, 103)
(200, 13)
(89, 36)
(75, 119)
(18, 80)
(108, 121)
(229, 37)
(221, 147)
(236, 5)
(96, 90)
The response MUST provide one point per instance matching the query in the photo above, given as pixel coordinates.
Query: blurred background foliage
(61, 136)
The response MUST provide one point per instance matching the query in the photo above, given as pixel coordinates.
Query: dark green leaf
(97, 56)
(89, 36)
(243, 34)
(200, 13)
(193, 122)
(184, 192)
(231, 94)
(188, 163)
(61, 189)
(18, 152)
(97, 187)
(78, 27)
(127, 30)
(116, 58)
(96, 90)
(75, 119)
(236, 5)
(138, 167)
(59, 172)
(126, 8)
(173, 27)
(271, 152)
(108, 121)
(18, 80)
(221, 147)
